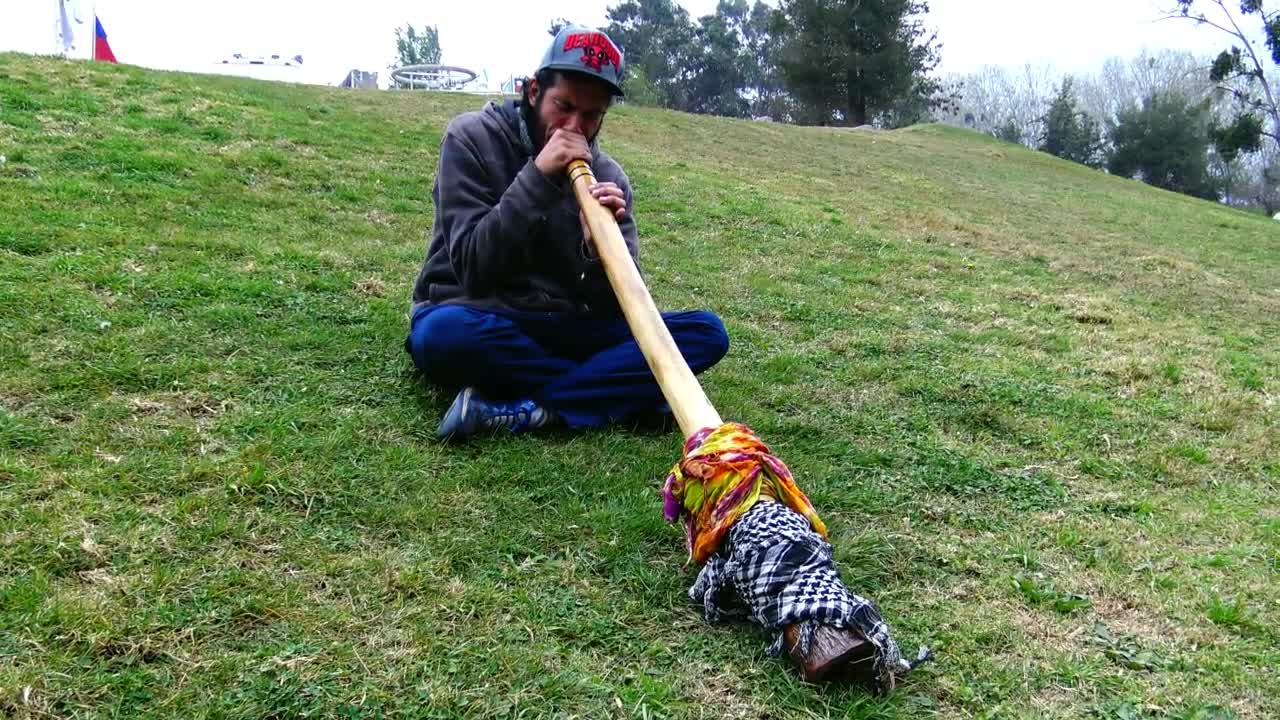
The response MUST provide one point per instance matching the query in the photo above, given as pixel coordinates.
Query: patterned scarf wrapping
(776, 571)
(725, 471)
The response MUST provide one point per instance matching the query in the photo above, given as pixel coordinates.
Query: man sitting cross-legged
(512, 305)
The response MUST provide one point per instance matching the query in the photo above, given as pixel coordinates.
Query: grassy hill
(1035, 404)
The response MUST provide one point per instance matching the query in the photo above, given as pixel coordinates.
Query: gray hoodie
(505, 236)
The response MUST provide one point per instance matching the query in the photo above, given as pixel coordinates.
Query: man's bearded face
(575, 102)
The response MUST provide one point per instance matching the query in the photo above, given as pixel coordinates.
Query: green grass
(219, 496)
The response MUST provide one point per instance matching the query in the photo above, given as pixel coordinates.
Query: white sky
(506, 38)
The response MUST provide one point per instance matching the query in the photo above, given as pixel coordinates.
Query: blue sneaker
(470, 414)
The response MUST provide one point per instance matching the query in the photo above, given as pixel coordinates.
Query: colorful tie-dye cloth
(725, 471)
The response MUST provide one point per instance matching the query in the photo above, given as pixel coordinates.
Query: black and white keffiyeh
(776, 571)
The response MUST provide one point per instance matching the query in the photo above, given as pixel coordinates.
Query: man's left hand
(610, 196)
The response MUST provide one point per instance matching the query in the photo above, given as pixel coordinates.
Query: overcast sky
(507, 37)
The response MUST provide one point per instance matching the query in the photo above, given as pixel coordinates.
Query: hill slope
(1035, 404)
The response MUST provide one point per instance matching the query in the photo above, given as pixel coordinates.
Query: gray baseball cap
(587, 51)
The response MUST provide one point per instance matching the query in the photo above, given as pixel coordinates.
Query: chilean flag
(102, 48)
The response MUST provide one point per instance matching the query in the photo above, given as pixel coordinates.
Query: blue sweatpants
(588, 369)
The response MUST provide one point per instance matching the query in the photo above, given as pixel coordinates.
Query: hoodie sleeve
(608, 170)
(486, 233)
(594, 285)
(628, 222)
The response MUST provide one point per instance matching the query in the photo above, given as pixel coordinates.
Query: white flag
(64, 27)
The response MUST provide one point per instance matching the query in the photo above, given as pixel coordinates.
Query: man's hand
(564, 147)
(610, 196)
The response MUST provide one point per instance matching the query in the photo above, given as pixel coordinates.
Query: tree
(1241, 73)
(722, 68)
(660, 41)
(766, 90)
(1009, 132)
(1070, 133)
(414, 48)
(913, 107)
(1006, 104)
(640, 91)
(1254, 181)
(719, 65)
(847, 60)
(1123, 84)
(1165, 143)
(557, 25)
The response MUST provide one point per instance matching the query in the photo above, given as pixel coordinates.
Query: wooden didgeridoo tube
(680, 387)
(832, 649)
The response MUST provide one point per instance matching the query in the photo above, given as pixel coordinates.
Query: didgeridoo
(689, 404)
(726, 469)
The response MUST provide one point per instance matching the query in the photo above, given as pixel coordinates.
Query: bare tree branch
(1261, 74)
(1202, 20)
(1269, 107)
(1243, 97)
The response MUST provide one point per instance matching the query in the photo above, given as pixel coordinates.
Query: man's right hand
(564, 147)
